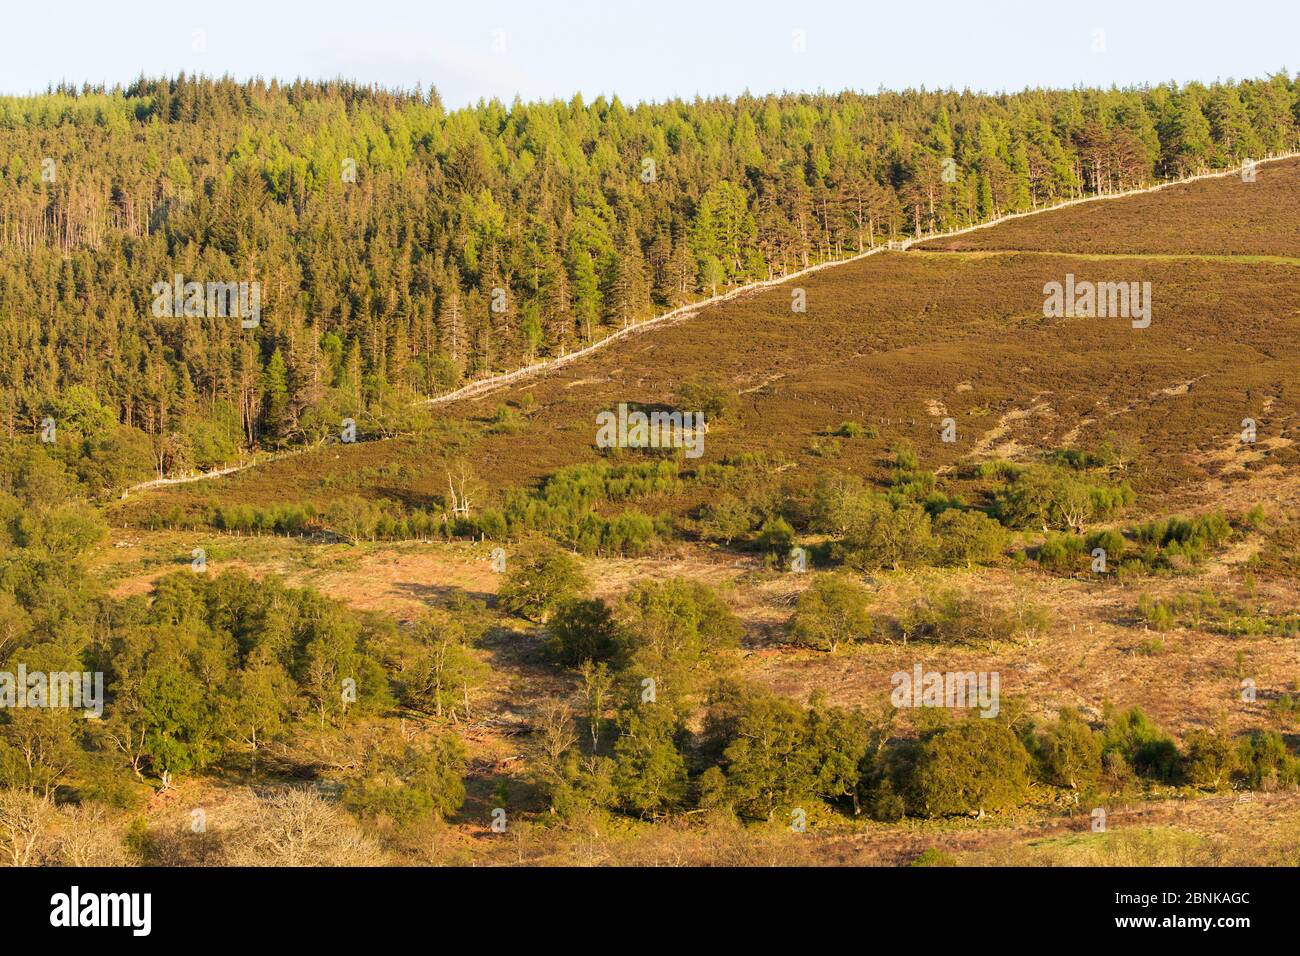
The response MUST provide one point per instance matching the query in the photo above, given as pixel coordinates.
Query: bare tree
(463, 488)
(596, 683)
(299, 827)
(24, 826)
(558, 732)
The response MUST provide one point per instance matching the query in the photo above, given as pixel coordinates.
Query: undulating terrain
(470, 634)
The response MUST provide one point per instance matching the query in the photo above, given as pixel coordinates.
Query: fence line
(218, 472)
(492, 383)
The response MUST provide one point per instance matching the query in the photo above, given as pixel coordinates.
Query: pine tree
(275, 390)
(629, 295)
(586, 291)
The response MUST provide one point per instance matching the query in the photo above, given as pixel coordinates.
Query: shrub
(1110, 541)
(1166, 543)
(1071, 753)
(949, 617)
(968, 537)
(583, 787)
(937, 502)
(506, 421)
(492, 524)
(776, 536)
(1142, 746)
(1255, 519)
(708, 396)
(974, 765)
(424, 781)
(1111, 500)
(883, 536)
(905, 458)
(726, 519)
(564, 507)
(1074, 458)
(649, 772)
(907, 485)
(934, 857)
(826, 447)
(854, 430)
(998, 470)
(631, 534)
(1157, 614)
(1063, 553)
(541, 578)
(1210, 758)
(583, 630)
(1285, 708)
(675, 633)
(832, 611)
(1264, 763)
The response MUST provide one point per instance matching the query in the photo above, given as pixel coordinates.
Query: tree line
(402, 248)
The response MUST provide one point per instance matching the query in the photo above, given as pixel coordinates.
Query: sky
(648, 49)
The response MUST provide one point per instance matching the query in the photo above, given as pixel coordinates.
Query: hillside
(475, 613)
(399, 249)
(898, 342)
(1241, 216)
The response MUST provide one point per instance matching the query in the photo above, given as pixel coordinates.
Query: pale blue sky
(648, 50)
